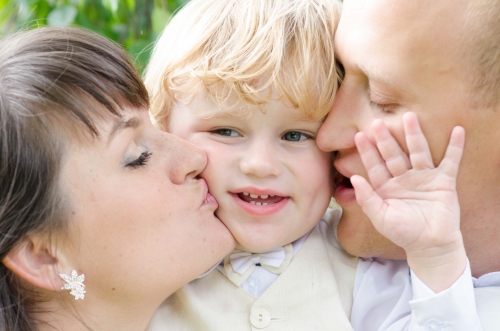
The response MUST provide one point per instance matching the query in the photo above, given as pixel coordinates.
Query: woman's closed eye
(226, 132)
(140, 161)
(296, 136)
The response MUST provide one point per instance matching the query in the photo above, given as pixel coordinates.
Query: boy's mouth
(260, 200)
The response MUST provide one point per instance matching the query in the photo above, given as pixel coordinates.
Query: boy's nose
(261, 161)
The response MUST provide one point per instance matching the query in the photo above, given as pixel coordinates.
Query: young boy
(249, 81)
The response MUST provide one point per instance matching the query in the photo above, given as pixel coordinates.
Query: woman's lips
(208, 199)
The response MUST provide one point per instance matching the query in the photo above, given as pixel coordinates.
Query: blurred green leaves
(133, 23)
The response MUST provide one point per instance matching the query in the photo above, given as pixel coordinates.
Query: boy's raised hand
(412, 202)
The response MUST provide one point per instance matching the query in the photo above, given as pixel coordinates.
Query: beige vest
(313, 293)
(488, 307)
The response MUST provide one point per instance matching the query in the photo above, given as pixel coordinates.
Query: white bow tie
(239, 265)
(241, 261)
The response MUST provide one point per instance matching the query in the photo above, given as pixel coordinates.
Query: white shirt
(386, 291)
(384, 296)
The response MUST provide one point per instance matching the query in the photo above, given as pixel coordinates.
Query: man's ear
(34, 260)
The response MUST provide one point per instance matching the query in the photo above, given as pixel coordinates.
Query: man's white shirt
(389, 297)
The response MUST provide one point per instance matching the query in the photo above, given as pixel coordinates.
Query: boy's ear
(34, 261)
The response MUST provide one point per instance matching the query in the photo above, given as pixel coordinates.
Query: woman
(89, 186)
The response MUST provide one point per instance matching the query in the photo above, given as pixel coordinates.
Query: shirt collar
(487, 280)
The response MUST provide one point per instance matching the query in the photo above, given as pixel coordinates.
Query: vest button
(260, 318)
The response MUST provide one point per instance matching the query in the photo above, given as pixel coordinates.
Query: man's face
(402, 56)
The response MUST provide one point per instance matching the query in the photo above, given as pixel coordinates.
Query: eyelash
(301, 133)
(385, 107)
(219, 132)
(140, 161)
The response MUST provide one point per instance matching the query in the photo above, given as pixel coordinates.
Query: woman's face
(141, 224)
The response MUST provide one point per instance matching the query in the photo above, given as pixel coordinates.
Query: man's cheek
(395, 127)
(358, 236)
(353, 231)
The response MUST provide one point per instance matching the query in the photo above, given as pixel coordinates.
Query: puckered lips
(260, 202)
(344, 191)
(208, 199)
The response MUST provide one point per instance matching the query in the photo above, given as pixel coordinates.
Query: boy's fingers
(420, 155)
(373, 162)
(396, 160)
(454, 151)
(367, 198)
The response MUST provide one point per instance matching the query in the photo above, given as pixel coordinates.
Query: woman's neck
(87, 315)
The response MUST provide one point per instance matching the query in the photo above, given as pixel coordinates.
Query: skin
(400, 57)
(141, 227)
(412, 202)
(263, 154)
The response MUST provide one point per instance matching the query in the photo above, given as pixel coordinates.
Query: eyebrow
(376, 75)
(122, 124)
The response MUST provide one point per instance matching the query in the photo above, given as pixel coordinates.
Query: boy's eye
(226, 132)
(295, 136)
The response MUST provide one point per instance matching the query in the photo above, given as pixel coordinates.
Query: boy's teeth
(260, 200)
(255, 196)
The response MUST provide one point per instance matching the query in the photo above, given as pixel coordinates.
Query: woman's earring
(75, 284)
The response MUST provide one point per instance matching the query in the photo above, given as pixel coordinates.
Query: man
(441, 60)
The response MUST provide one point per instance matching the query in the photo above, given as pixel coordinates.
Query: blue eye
(140, 161)
(226, 132)
(295, 136)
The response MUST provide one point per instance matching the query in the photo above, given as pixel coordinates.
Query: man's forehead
(383, 30)
(396, 15)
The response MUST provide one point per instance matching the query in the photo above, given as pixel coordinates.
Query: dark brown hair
(54, 83)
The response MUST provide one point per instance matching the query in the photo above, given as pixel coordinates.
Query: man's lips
(340, 179)
(344, 191)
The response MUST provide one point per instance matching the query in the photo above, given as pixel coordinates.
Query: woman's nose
(186, 161)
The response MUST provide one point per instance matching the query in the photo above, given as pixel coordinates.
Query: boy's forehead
(242, 112)
(223, 106)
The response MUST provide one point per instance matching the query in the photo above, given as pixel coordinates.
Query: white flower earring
(75, 284)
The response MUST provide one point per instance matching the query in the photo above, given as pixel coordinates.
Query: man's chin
(358, 237)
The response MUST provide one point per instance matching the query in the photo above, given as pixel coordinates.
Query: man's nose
(338, 130)
(261, 160)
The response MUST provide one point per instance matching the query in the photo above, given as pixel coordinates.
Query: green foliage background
(133, 23)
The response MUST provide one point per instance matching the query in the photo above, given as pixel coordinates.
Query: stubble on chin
(359, 237)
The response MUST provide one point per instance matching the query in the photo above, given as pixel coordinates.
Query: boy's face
(270, 179)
